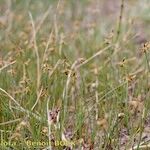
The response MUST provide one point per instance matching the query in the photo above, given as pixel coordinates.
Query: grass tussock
(74, 75)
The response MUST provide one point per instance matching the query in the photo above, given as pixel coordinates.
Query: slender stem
(120, 20)
(146, 56)
(37, 54)
(49, 124)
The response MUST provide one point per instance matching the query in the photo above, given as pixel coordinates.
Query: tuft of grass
(74, 75)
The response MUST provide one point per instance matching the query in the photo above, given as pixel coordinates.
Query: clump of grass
(73, 81)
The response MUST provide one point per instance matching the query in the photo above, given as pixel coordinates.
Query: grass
(74, 75)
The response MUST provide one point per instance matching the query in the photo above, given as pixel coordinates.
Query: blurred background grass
(98, 92)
